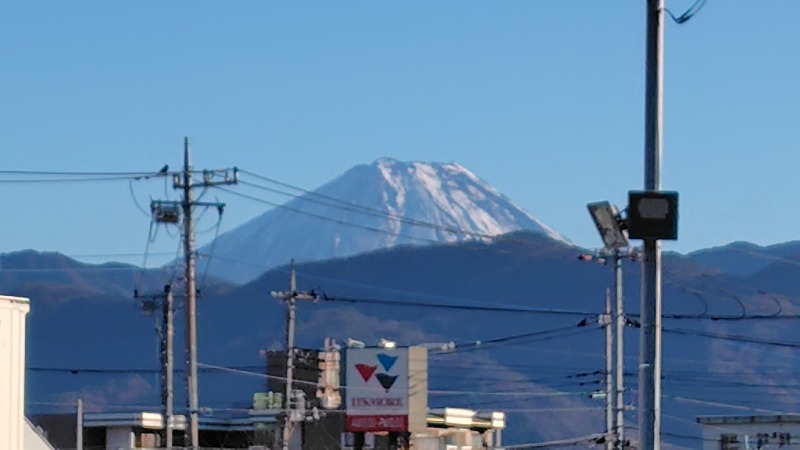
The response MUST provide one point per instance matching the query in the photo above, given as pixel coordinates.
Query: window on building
(728, 442)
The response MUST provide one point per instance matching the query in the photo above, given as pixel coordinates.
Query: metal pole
(620, 319)
(650, 342)
(169, 334)
(79, 426)
(607, 324)
(191, 298)
(290, 322)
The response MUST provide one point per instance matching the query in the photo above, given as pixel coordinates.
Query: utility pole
(650, 341)
(166, 333)
(79, 426)
(619, 436)
(186, 184)
(167, 364)
(169, 212)
(608, 324)
(190, 295)
(290, 297)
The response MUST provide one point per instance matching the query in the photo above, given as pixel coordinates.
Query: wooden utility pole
(290, 297)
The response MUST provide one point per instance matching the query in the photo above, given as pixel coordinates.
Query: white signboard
(377, 389)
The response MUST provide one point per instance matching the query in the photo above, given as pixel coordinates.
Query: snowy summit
(370, 207)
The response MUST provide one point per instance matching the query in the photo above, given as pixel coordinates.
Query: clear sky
(543, 99)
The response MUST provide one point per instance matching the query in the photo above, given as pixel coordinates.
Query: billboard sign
(377, 389)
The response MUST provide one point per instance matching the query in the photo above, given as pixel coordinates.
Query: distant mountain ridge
(74, 333)
(28, 271)
(369, 207)
(745, 258)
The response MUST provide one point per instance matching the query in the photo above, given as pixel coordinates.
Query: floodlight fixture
(353, 343)
(387, 344)
(653, 215)
(607, 220)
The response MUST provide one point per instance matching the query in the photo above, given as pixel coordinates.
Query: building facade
(750, 432)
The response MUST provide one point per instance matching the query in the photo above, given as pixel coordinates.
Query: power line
(66, 180)
(596, 438)
(326, 218)
(733, 338)
(545, 336)
(475, 307)
(349, 206)
(111, 371)
(327, 200)
(84, 173)
(688, 14)
(114, 255)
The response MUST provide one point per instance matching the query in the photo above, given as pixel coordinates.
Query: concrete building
(461, 429)
(321, 423)
(750, 432)
(448, 429)
(16, 432)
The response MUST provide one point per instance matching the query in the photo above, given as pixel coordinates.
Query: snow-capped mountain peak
(471, 204)
(374, 206)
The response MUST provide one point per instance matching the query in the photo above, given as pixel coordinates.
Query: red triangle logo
(366, 371)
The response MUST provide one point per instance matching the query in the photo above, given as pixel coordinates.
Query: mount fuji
(371, 207)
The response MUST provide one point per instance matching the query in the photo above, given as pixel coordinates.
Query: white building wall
(12, 371)
(33, 439)
(748, 434)
(120, 438)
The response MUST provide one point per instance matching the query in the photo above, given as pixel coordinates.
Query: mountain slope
(383, 204)
(29, 269)
(744, 258)
(545, 378)
(44, 273)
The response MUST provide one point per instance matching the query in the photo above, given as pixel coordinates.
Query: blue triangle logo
(387, 361)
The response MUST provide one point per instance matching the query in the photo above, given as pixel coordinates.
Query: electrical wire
(113, 255)
(723, 404)
(326, 200)
(210, 254)
(325, 218)
(691, 12)
(343, 204)
(572, 442)
(135, 201)
(316, 197)
(743, 316)
(485, 307)
(67, 180)
(527, 337)
(175, 263)
(128, 370)
(733, 338)
(84, 173)
(150, 238)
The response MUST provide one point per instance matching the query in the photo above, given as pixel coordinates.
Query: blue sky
(543, 99)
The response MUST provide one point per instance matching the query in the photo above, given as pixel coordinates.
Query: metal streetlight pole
(650, 342)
